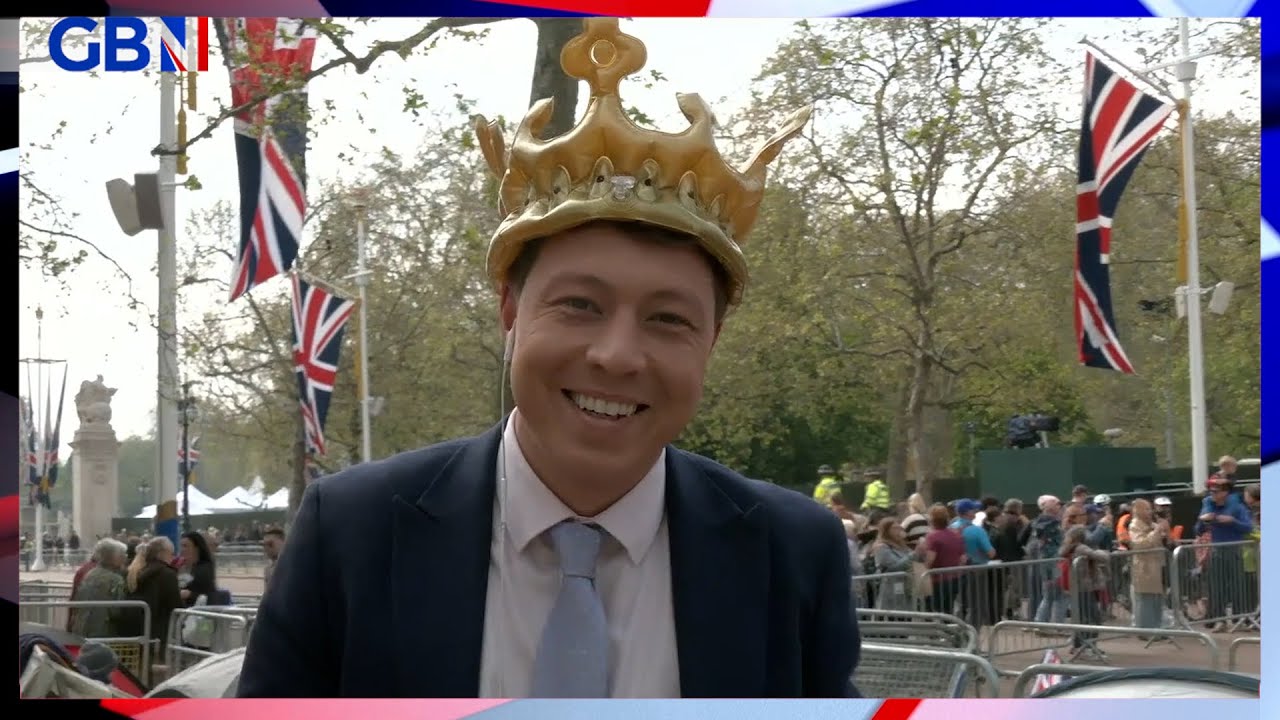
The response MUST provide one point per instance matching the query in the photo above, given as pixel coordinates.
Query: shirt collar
(531, 508)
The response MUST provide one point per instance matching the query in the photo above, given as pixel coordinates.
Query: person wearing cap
(828, 482)
(877, 494)
(571, 550)
(1226, 519)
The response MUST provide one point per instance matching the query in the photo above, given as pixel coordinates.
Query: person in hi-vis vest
(877, 497)
(828, 482)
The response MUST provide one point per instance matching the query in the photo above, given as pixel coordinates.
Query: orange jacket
(1122, 528)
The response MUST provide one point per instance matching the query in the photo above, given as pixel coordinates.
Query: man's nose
(618, 348)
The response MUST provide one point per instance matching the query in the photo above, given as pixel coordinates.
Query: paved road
(1016, 650)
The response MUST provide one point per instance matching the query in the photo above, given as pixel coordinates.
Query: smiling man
(571, 551)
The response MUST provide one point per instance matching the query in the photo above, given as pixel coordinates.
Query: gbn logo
(124, 48)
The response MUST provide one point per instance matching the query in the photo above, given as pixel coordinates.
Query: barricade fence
(195, 634)
(239, 557)
(1234, 647)
(109, 616)
(1081, 634)
(1217, 584)
(1030, 673)
(1149, 588)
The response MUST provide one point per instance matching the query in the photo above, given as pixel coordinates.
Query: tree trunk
(549, 80)
(917, 460)
(896, 470)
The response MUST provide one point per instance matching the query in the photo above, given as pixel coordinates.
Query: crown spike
(608, 168)
(602, 55)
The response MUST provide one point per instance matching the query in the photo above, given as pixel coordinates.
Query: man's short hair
(278, 532)
(519, 271)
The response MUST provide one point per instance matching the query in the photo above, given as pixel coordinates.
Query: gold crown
(608, 168)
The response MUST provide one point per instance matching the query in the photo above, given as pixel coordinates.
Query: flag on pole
(1119, 124)
(51, 447)
(271, 140)
(32, 457)
(192, 456)
(319, 317)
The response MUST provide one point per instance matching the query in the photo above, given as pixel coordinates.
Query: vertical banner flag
(1119, 124)
(269, 59)
(190, 455)
(319, 317)
(32, 456)
(51, 447)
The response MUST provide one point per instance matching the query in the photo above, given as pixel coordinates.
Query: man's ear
(508, 300)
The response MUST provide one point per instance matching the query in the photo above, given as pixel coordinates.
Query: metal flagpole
(361, 278)
(42, 455)
(166, 519)
(1186, 72)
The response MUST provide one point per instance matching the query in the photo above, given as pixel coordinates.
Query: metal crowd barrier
(904, 627)
(134, 652)
(228, 632)
(1029, 674)
(1234, 647)
(892, 671)
(1213, 584)
(1094, 632)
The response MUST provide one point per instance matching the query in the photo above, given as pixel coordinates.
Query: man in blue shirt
(981, 587)
(1224, 516)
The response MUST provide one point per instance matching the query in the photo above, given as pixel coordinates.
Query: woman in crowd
(1084, 576)
(942, 548)
(199, 574)
(1147, 538)
(892, 556)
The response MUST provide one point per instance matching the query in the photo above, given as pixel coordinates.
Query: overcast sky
(112, 123)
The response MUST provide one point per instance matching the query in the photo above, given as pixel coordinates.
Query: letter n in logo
(175, 54)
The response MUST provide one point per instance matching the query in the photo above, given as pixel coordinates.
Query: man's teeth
(604, 407)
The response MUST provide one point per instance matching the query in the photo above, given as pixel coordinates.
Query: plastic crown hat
(608, 168)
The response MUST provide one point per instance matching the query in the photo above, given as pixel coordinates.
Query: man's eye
(670, 318)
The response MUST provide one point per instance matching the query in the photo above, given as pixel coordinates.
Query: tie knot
(578, 546)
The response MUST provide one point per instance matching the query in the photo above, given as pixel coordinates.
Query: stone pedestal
(95, 467)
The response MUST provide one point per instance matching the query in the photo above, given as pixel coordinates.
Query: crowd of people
(1086, 558)
(151, 570)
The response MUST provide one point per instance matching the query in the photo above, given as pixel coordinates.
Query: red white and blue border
(675, 709)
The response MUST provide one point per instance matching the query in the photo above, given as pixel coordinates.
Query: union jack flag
(319, 317)
(32, 456)
(271, 141)
(1119, 124)
(192, 456)
(1045, 681)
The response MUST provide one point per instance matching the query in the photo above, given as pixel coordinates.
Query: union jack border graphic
(271, 140)
(1119, 124)
(319, 317)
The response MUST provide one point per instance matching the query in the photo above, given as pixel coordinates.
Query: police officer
(877, 497)
(828, 482)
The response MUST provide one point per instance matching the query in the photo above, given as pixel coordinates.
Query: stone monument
(95, 464)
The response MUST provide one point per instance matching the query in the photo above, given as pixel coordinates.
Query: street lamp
(189, 413)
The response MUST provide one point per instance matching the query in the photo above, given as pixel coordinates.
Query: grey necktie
(573, 655)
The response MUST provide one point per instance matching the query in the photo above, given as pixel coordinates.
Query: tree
(938, 111)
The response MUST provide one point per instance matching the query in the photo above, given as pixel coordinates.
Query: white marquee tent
(200, 504)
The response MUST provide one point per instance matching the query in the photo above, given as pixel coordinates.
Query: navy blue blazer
(380, 590)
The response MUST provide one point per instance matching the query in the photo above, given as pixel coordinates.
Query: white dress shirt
(633, 577)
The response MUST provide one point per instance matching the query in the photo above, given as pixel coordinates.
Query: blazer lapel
(440, 566)
(719, 585)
